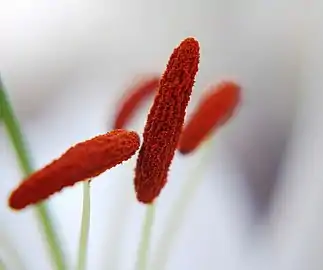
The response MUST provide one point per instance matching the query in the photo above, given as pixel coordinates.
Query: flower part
(81, 162)
(213, 111)
(133, 99)
(165, 121)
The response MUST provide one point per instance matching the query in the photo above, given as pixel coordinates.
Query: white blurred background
(65, 65)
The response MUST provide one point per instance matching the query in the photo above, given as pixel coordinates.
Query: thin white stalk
(85, 227)
(144, 245)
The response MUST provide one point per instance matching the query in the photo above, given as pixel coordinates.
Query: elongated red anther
(134, 97)
(214, 110)
(165, 121)
(82, 161)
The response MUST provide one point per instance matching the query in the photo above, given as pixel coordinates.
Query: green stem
(85, 226)
(176, 216)
(42, 211)
(2, 267)
(144, 245)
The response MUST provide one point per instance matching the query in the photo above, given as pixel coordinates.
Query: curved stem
(144, 245)
(42, 211)
(85, 227)
(176, 216)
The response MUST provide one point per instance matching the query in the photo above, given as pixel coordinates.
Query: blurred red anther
(81, 162)
(213, 111)
(134, 97)
(165, 121)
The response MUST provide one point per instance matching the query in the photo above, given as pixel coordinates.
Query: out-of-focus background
(66, 64)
